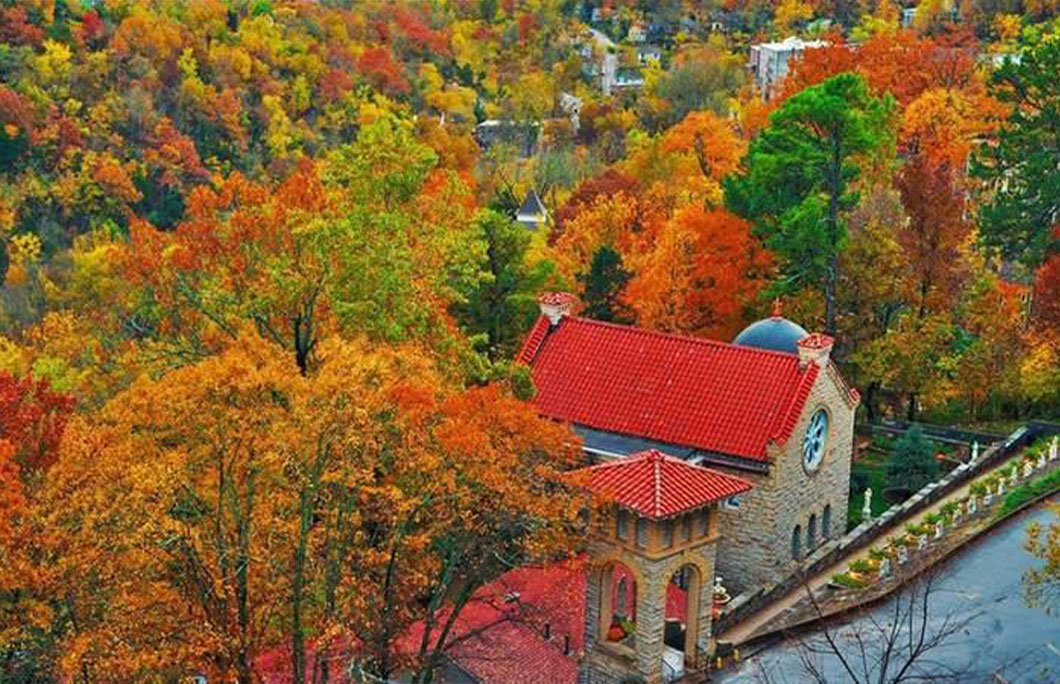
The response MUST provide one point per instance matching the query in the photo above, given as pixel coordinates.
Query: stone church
(756, 437)
(769, 407)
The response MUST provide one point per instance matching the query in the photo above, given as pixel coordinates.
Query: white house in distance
(769, 62)
(532, 213)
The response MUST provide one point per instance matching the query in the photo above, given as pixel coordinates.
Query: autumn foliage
(261, 283)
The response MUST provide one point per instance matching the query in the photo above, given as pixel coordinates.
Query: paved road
(1006, 641)
(609, 67)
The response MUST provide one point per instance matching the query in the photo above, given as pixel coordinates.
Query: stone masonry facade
(755, 543)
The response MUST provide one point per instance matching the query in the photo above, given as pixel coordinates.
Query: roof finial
(778, 308)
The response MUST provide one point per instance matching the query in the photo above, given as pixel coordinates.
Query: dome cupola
(775, 333)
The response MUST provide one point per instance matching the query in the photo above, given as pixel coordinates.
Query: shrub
(877, 554)
(932, 519)
(978, 488)
(918, 529)
(949, 508)
(904, 540)
(845, 580)
(862, 566)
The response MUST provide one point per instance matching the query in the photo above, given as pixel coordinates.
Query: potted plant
(845, 580)
(861, 567)
(949, 510)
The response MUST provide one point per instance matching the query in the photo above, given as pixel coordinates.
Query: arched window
(796, 543)
(811, 533)
(826, 522)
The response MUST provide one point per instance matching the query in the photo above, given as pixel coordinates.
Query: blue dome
(776, 333)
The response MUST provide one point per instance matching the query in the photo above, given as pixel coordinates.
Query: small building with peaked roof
(532, 212)
(663, 535)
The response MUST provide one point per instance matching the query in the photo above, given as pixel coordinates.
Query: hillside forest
(262, 282)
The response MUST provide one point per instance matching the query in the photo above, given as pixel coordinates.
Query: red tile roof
(687, 391)
(499, 636)
(658, 486)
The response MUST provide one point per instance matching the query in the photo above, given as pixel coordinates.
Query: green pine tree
(602, 286)
(1022, 171)
(504, 304)
(796, 179)
(913, 463)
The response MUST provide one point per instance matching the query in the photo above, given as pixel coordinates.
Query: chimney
(815, 347)
(555, 305)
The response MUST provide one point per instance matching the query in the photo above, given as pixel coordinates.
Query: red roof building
(714, 397)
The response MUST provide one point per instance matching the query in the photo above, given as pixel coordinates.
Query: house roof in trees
(532, 206)
(657, 486)
(715, 397)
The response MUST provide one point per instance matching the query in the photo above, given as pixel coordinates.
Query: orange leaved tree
(235, 516)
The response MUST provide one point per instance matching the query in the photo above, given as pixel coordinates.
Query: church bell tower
(648, 596)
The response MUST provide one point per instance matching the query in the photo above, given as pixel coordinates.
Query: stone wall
(755, 540)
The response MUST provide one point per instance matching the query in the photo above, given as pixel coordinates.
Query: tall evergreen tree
(1022, 170)
(796, 178)
(603, 284)
(503, 305)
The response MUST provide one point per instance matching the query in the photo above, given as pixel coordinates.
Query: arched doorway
(811, 533)
(796, 543)
(618, 604)
(826, 522)
(683, 595)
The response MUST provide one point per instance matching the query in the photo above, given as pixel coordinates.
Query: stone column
(651, 621)
(593, 595)
(705, 611)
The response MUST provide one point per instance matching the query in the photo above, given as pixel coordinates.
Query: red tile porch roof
(658, 486)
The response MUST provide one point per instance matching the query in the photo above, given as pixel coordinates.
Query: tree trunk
(297, 633)
(870, 402)
(832, 277)
(911, 408)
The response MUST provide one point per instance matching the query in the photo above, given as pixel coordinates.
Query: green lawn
(870, 467)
